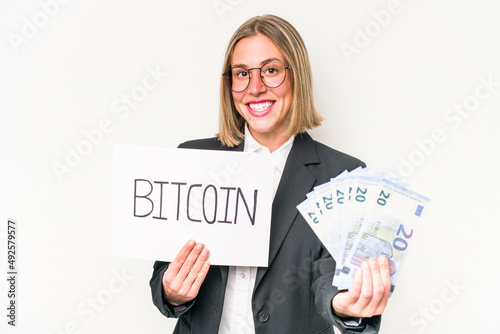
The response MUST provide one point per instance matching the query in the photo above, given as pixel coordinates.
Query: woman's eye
(241, 74)
(271, 71)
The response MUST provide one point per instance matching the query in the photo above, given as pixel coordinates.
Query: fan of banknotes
(362, 214)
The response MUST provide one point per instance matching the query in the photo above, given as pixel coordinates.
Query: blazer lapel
(295, 183)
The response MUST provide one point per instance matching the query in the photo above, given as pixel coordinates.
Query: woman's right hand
(186, 273)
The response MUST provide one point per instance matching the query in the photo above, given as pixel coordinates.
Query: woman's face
(264, 108)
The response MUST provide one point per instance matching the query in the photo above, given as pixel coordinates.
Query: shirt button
(263, 316)
(242, 275)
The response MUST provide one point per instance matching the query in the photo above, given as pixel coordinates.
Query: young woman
(267, 104)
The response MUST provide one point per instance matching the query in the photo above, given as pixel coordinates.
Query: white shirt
(237, 316)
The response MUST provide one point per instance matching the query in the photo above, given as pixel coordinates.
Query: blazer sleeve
(156, 285)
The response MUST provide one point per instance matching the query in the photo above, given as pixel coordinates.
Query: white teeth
(260, 106)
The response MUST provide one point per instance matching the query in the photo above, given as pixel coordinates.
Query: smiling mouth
(259, 107)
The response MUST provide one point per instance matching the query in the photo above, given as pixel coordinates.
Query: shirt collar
(279, 156)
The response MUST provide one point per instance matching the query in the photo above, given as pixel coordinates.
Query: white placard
(162, 197)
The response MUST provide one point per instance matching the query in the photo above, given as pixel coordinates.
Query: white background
(398, 88)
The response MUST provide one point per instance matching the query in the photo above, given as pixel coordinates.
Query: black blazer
(294, 293)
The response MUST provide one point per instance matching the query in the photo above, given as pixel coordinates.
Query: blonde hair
(303, 114)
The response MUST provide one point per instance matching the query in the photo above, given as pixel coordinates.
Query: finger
(200, 278)
(190, 261)
(385, 274)
(357, 283)
(385, 271)
(366, 289)
(378, 288)
(197, 268)
(344, 302)
(180, 258)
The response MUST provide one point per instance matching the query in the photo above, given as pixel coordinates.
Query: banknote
(361, 215)
(320, 208)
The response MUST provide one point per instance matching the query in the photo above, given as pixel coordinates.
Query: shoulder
(313, 152)
(321, 160)
(206, 144)
(330, 155)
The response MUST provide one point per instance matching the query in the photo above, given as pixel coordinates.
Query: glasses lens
(239, 79)
(273, 74)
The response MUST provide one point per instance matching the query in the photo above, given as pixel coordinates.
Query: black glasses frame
(229, 81)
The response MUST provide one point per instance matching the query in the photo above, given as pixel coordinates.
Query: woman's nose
(256, 86)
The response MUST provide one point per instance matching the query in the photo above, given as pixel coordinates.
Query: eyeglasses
(272, 74)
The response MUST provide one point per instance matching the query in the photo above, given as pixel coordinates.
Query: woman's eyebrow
(261, 63)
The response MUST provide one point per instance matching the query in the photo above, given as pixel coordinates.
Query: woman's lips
(260, 108)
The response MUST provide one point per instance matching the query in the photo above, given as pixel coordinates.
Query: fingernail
(373, 263)
(364, 265)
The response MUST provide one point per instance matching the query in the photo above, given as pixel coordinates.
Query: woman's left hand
(369, 293)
